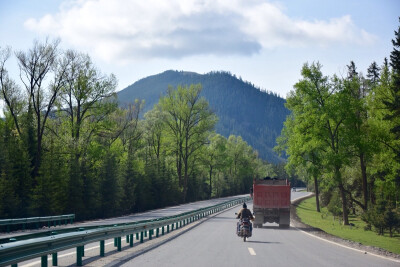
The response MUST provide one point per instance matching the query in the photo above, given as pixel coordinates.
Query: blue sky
(264, 42)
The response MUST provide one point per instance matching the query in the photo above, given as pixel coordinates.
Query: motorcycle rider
(245, 213)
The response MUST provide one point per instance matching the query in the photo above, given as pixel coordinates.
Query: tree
(239, 156)
(373, 74)
(86, 101)
(189, 120)
(356, 126)
(10, 92)
(36, 65)
(15, 179)
(321, 108)
(213, 156)
(392, 104)
(351, 71)
(296, 139)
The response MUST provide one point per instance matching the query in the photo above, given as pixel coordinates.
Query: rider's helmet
(244, 206)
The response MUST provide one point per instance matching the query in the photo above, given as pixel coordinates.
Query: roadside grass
(325, 221)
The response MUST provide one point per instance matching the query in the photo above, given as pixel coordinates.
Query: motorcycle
(244, 228)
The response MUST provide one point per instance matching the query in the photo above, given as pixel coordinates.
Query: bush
(325, 198)
(335, 204)
(391, 219)
(383, 216)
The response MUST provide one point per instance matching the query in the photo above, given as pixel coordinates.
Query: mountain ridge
(242, 109)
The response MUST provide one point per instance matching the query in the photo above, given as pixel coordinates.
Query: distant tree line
(66, 146)
(344, 135)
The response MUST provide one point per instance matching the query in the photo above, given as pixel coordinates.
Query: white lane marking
(373, 254)
(64, 255)
(251, 251)
(340, 245)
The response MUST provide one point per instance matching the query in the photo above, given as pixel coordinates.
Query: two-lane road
(214, 243)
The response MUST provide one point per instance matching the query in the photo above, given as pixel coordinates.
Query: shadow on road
(262, 242)
(221, 218)
(276, 227)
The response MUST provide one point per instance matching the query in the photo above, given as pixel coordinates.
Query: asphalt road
(214, 243)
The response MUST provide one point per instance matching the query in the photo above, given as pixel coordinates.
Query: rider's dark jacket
(245, 213)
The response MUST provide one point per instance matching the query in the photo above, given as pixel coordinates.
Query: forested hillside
(242, 109)
(67, 147)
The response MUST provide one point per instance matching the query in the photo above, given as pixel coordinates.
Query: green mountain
(242, 108)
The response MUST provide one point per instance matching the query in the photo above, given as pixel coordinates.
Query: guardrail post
(141, 237)
(162, 230)
(119, 243)
(151, 234)
(54, 258)
(79, 255)
(127, 238)
(131, 240)
(115, 242)
(157, 231)
(12, 240)
(101, 248)
(44, 261)
(83, 247)
(137, 236)
(168, 228)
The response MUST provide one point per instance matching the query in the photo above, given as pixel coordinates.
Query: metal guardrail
(60, 219)
(18, 251)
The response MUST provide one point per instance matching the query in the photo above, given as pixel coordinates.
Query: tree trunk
(364, 181)
(211, 169)
(316, 193)
(185, 179)
(344, 204)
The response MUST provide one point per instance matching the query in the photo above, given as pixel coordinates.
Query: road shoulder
(296, 222)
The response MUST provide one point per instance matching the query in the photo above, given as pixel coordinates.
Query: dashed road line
(251, 251)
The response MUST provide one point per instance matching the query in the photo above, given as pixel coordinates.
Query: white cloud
(128, 30)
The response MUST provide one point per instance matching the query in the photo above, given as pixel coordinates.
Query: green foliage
(355, 232)
(344, 133)
(98, 160)
(334, 205)
(242, 109)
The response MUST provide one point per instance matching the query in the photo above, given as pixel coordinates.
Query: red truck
(271, 202)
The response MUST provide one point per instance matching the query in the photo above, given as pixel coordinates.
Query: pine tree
(373, 74)
(393, 105)
(351, 70)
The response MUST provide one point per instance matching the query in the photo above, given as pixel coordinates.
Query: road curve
(214, 243)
